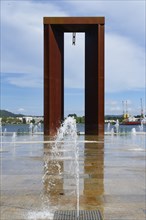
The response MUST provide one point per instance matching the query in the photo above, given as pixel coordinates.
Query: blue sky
(22, 54)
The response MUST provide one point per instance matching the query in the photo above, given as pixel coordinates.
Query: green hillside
(4, 113)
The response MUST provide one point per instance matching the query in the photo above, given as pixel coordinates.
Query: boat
(131, 123)
(131, 120)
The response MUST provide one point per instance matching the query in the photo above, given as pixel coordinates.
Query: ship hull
(132, 123)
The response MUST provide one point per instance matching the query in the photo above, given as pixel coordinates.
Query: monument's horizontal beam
(74, 20)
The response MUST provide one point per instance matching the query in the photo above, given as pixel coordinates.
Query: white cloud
(21, 110)
(126, 17)
(22, 42)
(22, 39)
(117, 107)
(25, 80)
(113, 107)
(74, 61)
(124, 64)
(111, 102)
(124, 41)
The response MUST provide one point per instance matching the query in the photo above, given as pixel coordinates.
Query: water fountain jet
(66, 137)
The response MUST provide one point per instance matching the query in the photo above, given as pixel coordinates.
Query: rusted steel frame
(53, 79)
(73, 20)
(100, 100)
(54, 75)
(46, 79)
(91, 81)
(94, 80)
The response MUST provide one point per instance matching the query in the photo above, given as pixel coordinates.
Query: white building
(28, 119)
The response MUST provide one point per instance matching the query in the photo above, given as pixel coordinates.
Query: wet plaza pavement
(111, 178)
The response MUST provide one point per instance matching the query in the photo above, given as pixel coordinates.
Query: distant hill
(4, 113)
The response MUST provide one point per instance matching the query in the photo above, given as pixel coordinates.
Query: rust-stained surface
(74, 20)
(91, 81)
(100, 75)
(53, 79)
(54, 28)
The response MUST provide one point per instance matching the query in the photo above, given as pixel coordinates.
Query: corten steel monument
(54, 28)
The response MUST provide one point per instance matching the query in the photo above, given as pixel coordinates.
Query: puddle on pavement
(111, 178)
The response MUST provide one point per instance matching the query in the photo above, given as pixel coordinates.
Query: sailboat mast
(141, 108)
(126, 110)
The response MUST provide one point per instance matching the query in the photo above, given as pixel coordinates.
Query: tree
(72, 115)
(32, 121)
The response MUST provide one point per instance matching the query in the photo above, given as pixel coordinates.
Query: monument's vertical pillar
(91, 81)
(53, 78)
(94, 80)
(100, 84)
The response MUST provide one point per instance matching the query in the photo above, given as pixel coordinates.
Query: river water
(80, 127)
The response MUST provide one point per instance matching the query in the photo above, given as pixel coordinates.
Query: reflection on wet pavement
(112, 178)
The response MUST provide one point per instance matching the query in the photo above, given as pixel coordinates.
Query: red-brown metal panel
(94, 80)
(53, 79)
(74, 20)
(54, 29)
(91, 81)
(46, 79)
(100, 79)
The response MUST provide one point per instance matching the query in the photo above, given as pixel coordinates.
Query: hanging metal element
(73, 38)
